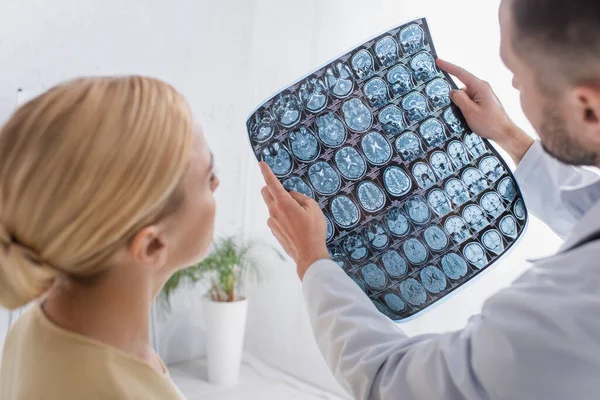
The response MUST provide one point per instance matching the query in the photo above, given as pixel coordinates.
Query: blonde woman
(106, 189)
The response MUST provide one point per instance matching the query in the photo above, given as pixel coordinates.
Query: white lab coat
(537, 339)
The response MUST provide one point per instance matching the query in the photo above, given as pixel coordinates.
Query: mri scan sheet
(416, 203)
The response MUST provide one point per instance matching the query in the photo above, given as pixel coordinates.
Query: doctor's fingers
(278, 192)
(470, 80)
(301, 199)
(267, 197)
(279, 210)
(281, 237)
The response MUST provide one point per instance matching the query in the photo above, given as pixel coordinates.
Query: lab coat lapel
(588, 225)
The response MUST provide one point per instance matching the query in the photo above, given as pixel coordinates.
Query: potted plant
(227, 266)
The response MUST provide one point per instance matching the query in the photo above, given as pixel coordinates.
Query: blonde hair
(83, 167)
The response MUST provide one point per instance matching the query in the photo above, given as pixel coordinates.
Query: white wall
(226, 57)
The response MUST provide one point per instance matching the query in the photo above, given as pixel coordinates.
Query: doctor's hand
(296, 222)
(485, 114)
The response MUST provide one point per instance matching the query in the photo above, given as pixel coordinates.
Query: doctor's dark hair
(565, 32)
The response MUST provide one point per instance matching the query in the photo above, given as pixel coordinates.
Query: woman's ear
(149, 247)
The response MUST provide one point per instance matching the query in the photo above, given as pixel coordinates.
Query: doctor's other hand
(296, 221)
(484, 112)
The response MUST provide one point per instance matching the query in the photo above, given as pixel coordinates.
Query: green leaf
(229, 263)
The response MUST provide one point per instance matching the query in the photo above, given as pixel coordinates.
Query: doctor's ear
(587, 103)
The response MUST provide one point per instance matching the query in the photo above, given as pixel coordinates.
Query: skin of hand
(485, 114)
(296, 221)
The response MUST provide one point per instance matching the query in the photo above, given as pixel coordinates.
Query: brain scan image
(295, 184)
(432, 131)
(304, 144)
(475, 145)
(360, 284)
(363, 65)
(396, 181)
(508, 226)
(475, 254)
(262, 126)
(376, 235)
(412, 39)
(370, 196)
(474, 180)
(433, 279)
(339, 80)
(396, 222)
(391, 119)
(386, 50)
(337, 255)
(492, 168)
(350, 163)
(417, 210)
(415, 106)
(313, 95)
(344, 211)
(415, 202)
(277, 158)
(357, 115)
(331, 130)
(507, 189)
(519, 209)
(423, 66)
(456, 191)
(441, 164)
(373, 276)
(394, 302)
(435, 238)
(454, 266)
(413, 292)
(457, 228)
(492, 240)
(409, 147)
(439, 202)
(415, 251)
(355, 247)
(330, 229)
(376, 148)
(324, 178)
(438, 93)
(475, 217)
(287, 110)
(376, 92)
(423, 175)
(400, 80)
(492, 204)
(458, 154)
(393, 263)
(455, 124)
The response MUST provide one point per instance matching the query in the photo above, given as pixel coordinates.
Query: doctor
(538, 338)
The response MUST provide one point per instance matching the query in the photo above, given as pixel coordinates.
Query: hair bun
(23, 277)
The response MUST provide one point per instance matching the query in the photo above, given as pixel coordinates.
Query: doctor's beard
(557, 141)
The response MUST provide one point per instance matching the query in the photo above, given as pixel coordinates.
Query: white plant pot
(225, 329)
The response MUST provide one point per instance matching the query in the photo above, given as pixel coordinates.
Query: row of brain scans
(478, 212)
(416, 204)
(416, 219)
(302, 146)
(394, 111)
(414, 82)
(351, 164)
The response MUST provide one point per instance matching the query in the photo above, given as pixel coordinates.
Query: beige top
(44, 361)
